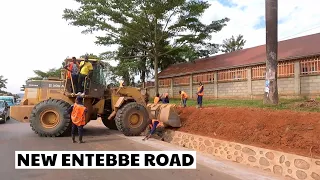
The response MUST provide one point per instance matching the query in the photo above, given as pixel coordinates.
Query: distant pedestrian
(184, 98)
(200, 94)
(78, 116)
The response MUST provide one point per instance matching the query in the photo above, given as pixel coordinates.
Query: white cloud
(297, 18)
(33, 34)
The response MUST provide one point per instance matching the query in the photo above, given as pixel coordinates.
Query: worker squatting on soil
(200, 94)
(78, 116)
(165, 98)
(156, 127)
(184, 98)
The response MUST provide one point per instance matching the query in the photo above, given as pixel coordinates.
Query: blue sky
(36, 37)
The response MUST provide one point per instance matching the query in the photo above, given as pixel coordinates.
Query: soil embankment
(287, 131)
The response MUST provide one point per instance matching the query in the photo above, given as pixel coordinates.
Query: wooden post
(271, 88)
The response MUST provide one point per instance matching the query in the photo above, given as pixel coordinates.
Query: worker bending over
(156, 99)
(200, 95)
(78, 116)
(155, 127)
(184, 98)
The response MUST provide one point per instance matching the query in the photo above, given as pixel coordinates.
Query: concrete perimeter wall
(293, 86)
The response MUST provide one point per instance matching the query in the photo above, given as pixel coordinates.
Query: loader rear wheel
(132, 119)
(50, 119)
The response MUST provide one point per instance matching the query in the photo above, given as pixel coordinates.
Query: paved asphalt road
(18, 136)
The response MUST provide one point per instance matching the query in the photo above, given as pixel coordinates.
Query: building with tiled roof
(241, 73)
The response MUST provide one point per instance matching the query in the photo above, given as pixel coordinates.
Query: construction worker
(200, 94)
(165, 98)
(85, 70)
(73, 71)
(78, 116)
(156, 99)
(155, 127)
(184, 98)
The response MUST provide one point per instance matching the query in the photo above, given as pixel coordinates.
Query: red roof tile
(288, 49)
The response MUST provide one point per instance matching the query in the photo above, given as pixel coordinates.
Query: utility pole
(271, 87)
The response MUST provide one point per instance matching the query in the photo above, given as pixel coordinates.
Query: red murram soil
(287, 131)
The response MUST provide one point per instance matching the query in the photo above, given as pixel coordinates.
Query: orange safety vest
(153, 121)
(199, 89)
(184, 95)
(78, 116)
(70, 68)
(156, 100)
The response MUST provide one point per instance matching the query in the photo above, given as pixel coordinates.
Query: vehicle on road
(10, 100)
(45, 103)
(4, 111)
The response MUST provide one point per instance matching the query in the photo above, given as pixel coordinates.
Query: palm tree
(233, 44)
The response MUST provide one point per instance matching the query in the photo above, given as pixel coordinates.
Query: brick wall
(208, 90)
(310, 85)
(176, 90)
(230, 89)
(292, 86)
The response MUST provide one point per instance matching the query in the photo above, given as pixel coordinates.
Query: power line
(301, 32)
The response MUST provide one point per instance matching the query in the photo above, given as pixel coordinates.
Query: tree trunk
(156, 85)
(271, 88)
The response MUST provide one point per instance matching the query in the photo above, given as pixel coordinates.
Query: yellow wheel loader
(46, 101)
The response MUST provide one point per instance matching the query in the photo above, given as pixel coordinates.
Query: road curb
(279, 163)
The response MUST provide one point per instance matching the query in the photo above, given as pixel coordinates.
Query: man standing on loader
(73, 72)
(85, 70)
(78, 116)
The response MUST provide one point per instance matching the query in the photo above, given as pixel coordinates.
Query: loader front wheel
(132, 119)
(111, 124)
(50, 119)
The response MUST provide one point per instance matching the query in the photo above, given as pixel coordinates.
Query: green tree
(148, 25)
(233, 44)
(53, 72)
(3, 82)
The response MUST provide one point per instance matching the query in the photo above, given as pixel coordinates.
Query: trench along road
(18, 136)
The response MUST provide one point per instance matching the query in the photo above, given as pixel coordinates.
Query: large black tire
(53, 108)
(111, 124)
(123, 122)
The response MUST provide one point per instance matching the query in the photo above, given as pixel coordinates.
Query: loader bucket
(165, 113)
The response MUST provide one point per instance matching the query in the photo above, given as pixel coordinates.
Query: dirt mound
(288, 131)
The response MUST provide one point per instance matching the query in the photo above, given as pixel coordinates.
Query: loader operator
(73, 72)
(85, 70)
(184, 98)
(155, 127)
(78, 116)
(200, 95)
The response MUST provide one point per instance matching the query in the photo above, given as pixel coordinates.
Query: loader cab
(95, 85)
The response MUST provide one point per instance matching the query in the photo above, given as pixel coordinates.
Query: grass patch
(284, 104)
